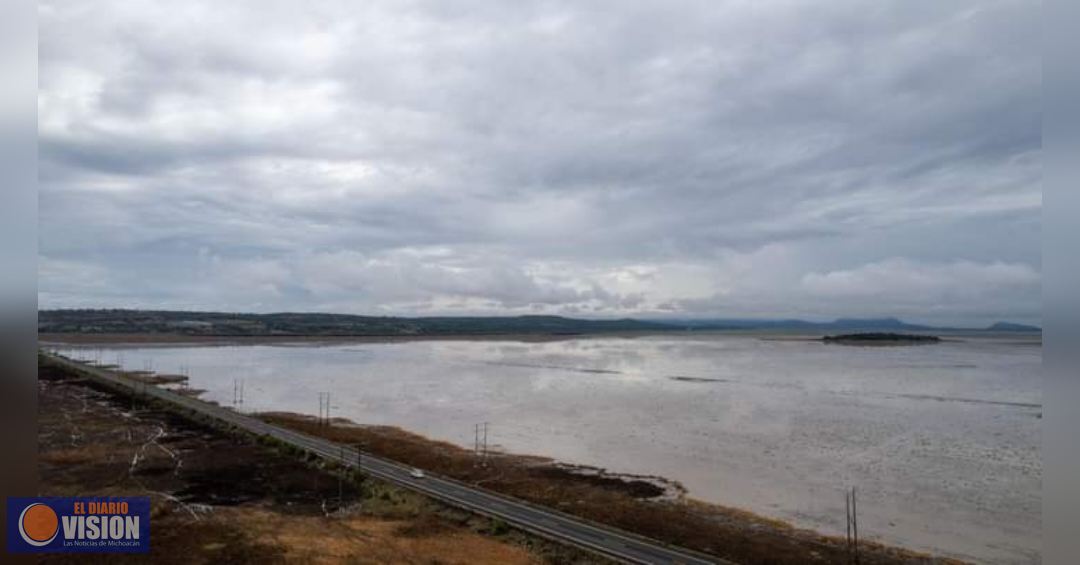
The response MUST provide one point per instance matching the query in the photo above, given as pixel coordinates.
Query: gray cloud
(696, 158)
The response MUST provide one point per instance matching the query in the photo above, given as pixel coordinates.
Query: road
(547, 523)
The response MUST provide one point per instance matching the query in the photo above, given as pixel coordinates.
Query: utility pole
(855, 523)
(324, 408)
(847, 521)
(480, 443)
(851, 508)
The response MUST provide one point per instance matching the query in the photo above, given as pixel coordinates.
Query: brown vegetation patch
(153, 378)
(90, 438)
(624, 502)
(219, 498)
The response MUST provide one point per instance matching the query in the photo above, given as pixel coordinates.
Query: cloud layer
(622, 158)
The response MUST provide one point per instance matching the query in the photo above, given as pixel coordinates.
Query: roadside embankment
(224, 498)
(649, 506)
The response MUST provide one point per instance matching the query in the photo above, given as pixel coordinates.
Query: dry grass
(235, 501)
(314, 539)
(731, 533)
(262, 498)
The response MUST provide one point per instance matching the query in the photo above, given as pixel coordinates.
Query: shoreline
(155, 339)
(619, 499)
(180, 340)
(219, 497)
(625, 501)
(739, 500)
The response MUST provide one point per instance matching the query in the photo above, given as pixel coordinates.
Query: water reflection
(943, 440)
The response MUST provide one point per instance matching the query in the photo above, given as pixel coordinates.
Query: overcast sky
(715, 158)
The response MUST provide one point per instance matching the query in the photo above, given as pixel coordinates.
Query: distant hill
(1011, 327)
(234, 324)
(844, 325)
(316, 324)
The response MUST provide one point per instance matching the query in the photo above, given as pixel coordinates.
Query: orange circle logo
(38, 524)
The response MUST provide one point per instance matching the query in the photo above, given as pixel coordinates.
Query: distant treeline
(227, 324)
(313, 324)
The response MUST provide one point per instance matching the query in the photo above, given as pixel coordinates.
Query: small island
(879, 338)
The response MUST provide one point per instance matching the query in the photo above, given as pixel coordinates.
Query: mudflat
(219, 498)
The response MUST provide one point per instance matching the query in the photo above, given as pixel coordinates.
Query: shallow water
(942, 441)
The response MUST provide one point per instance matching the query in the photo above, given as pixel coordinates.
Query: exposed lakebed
(942, 441)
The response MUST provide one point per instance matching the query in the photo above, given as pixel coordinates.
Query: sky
(743, 159)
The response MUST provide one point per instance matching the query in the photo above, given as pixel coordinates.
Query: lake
(942, 441)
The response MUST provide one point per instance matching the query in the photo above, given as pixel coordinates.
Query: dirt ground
(218, 498)
(648, 506)
(224, 498)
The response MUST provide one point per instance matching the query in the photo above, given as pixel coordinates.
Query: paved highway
(551, 524)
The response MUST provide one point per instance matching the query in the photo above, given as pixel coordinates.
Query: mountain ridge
(129, 321)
